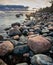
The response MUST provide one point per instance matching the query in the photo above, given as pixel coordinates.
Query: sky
(30, 3)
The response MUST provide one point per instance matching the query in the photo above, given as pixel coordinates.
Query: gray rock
(41, 59)
(23, 39)
(21, 49)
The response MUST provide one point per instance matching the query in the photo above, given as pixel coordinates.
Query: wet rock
(16, 37)
(20, 50)
(5, 47)
(38, 44)
(41, 59)
(30, 23)
(2, 62)
(22, 64)
(15, 24)
(8, 28)
(13, 32)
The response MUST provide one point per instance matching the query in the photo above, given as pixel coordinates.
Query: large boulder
(41, 59)
(2, 62)
(5, 47)
(39, 44)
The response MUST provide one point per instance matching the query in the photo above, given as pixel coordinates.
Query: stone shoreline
(30, 43)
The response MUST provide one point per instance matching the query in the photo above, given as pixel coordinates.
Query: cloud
(31, 3)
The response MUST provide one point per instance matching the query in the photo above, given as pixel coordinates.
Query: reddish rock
(5, 47)
(39, 44)
(30, 33)
(2, 62)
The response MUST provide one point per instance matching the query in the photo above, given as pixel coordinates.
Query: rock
(16, 37)
(5, 47)
(30, 23)
(50, 34)
(37, 30)
(20, 50)
(2, 62)
(50, 28)
(1, 37)
(26, 55)
(41, 59)
(13, 32)
(23, 39)
(22, 64)
(51, 52)
(30, 33)
(4, 35)
(39, 44)
(15, 24)
(45, 30)
(14, 42)
(25, 32)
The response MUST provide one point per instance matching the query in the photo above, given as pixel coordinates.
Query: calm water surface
(6, 18)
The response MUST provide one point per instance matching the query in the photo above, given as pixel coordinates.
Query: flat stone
(22, 64)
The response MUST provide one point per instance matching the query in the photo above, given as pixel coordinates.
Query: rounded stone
(2, 62)
(5, 47)
(16, 37)
(38, 44)
(20, 50)
(41, 59)
(13, 32)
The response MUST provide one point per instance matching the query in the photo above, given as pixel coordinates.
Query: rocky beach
(29, 42)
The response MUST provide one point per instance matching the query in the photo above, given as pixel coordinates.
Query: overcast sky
(30, 3)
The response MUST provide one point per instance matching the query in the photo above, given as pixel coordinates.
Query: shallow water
(6, 18)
